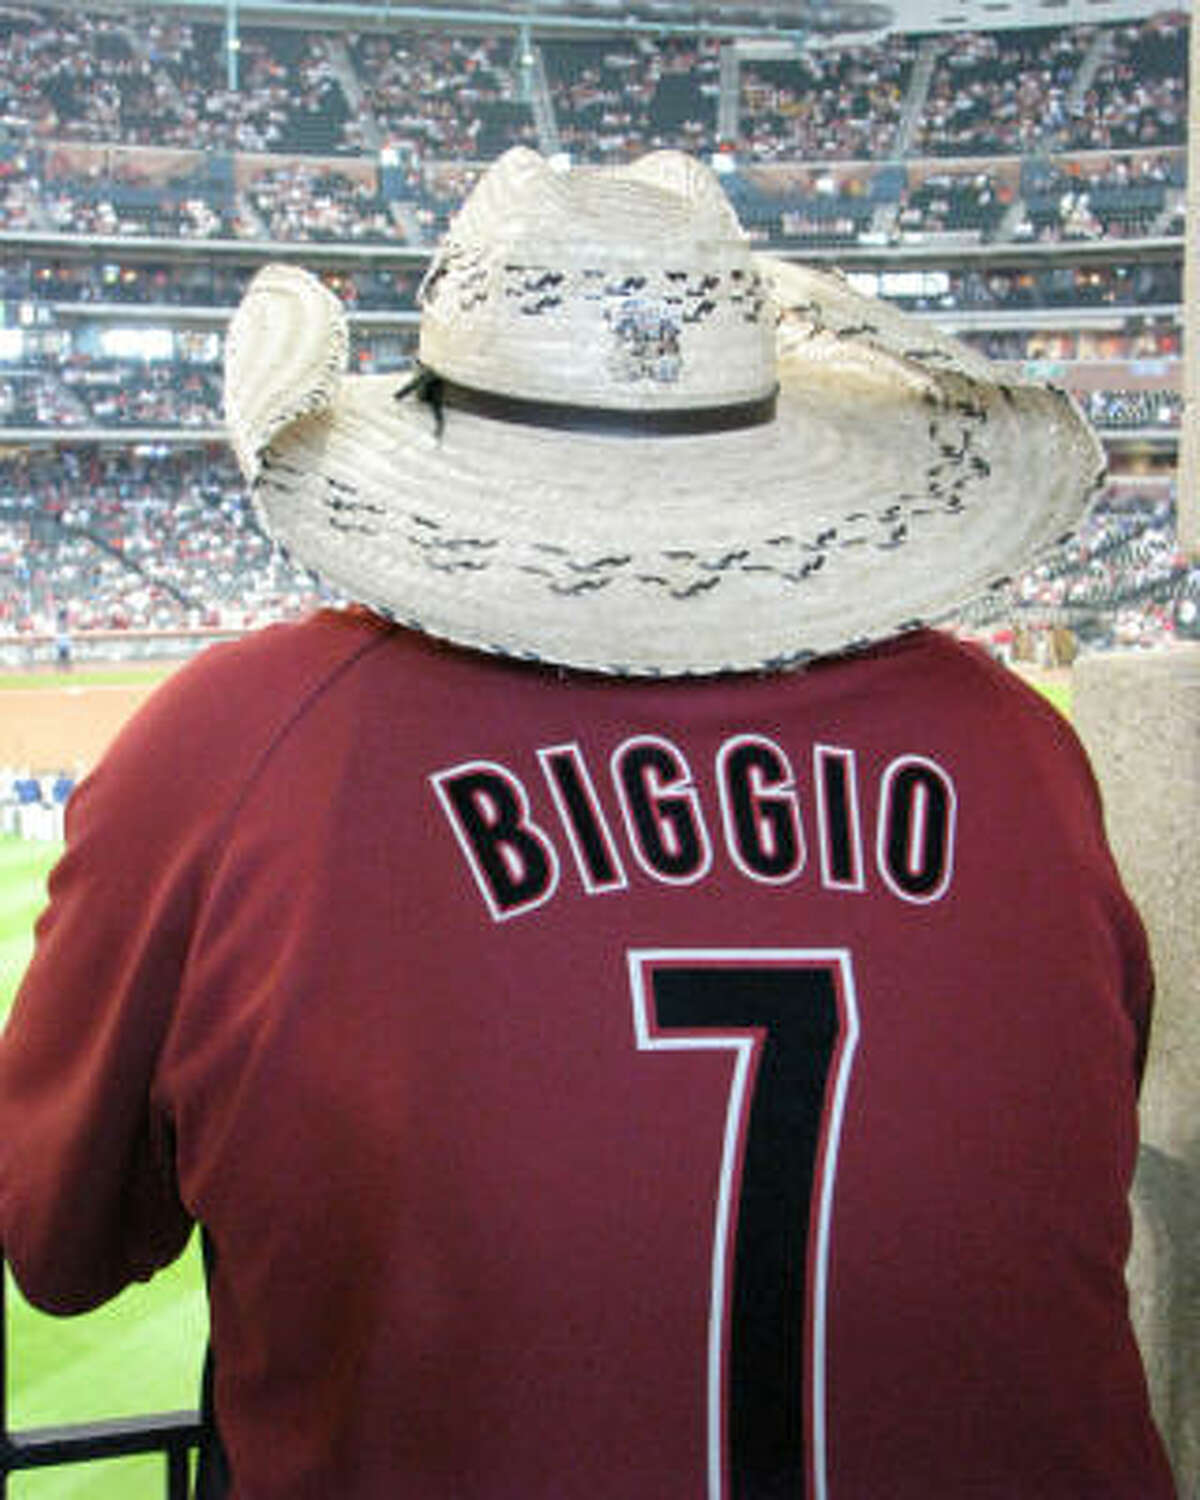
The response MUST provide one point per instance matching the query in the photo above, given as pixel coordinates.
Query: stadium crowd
(120, 539)
(112, 129)
(299, 200)
(1120, 582)
(420, 100)
(75, 75)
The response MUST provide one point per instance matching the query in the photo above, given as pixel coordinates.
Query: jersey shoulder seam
(312, 693)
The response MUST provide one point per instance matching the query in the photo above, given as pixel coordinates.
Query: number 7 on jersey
(790, 1019)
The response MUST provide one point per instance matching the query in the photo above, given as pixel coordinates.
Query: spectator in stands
(161, 539)
(62, 639)
(345, 970)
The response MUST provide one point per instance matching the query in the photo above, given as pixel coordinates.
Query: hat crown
(663, 198)
(621, 288)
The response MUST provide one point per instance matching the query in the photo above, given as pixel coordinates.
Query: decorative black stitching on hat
(701, 586)
(723, 564)
(457, 565)
(600, 562)
(580, 586)
(895, 538)
(685, 573)
(346, 510)
(458, 269)
(271, 463)
(444, 554)
(342, 503)
(856, 331)
(356, 528)
(929, 354)
(460, 274)
(439, 544)
(806, 570)
(532, 279)
(536, 289)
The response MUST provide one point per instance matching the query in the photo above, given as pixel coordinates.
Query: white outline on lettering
(881, 832)
(684, 787)
(572, 751)
(744, 1048)
(822, 753)
(498, 914)
(784, 790)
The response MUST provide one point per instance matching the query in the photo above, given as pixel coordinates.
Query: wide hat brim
(898, 480)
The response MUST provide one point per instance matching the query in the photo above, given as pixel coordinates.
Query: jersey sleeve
(87, 1201)
(1051, 752)
(88, 1195)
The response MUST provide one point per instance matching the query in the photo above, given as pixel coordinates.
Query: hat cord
(438, 393)
(429, 388)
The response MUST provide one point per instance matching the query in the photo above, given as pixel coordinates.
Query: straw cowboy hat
(635, 446)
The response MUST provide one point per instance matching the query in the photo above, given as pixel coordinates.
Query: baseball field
(143, 1352)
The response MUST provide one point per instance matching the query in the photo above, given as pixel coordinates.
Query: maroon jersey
(599, 1089)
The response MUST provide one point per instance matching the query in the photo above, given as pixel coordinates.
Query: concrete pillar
(1189, 438)
(1138, 713)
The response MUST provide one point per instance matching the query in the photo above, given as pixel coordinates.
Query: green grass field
(120, 674)
(142, 1352)
(1059, 693)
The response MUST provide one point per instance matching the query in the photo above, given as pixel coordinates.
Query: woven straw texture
(898, 479)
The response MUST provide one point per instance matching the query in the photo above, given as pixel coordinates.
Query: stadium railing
(173, 1434)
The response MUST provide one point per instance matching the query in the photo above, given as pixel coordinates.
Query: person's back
(608, 1060)
(597, 1088)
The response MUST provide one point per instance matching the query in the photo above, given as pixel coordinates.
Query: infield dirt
(65, 724)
